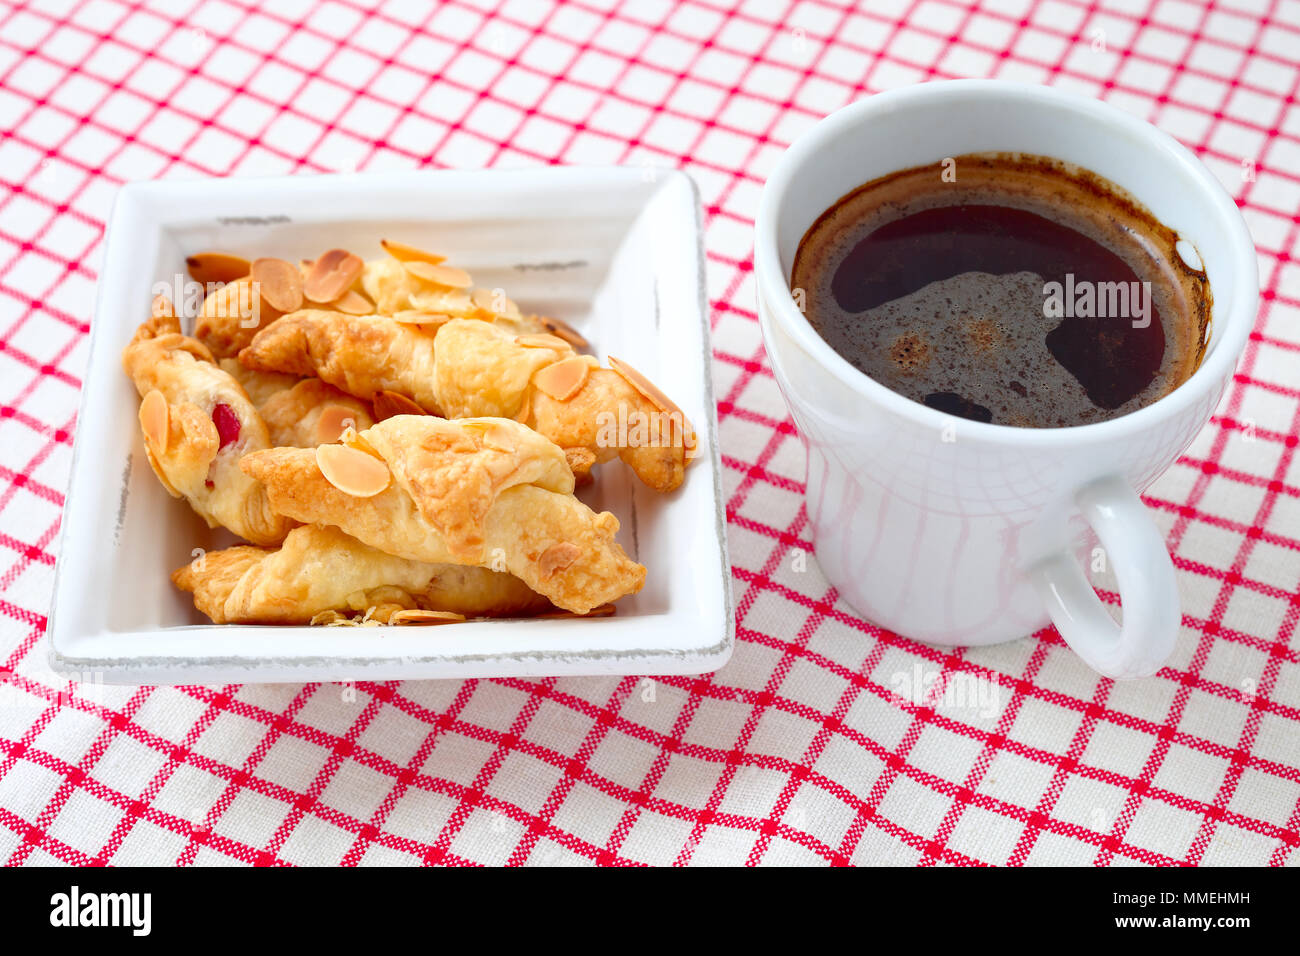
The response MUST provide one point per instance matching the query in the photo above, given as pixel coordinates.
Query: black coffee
(1005, 288)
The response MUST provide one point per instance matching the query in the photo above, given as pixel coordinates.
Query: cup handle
(1148, 592)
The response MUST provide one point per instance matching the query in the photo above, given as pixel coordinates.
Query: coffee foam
(986, 340)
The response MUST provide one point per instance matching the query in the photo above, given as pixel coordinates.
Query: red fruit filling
(227, 424)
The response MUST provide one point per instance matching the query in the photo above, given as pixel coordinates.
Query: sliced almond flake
(334, 420)
(501, 437)
(404, 253)
(341, 620)
(418, 616)
(493, 302)
(565, 331)
(558, 557)
(157, 470)
(352, 471)
(604, 610)
(564, 379)
(643, 385)
(332, 275)
(541, 340)
(389, 404)
(221, 267)
(428, 321)
(353, 303)
(155, 420)
(352, 439)
(448, 276)
(279, 283)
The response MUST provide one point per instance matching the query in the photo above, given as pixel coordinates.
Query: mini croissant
(487, 492)
(198, 422)
(321, 569)
(469, 367)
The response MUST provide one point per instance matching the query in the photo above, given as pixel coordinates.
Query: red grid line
(756, 572)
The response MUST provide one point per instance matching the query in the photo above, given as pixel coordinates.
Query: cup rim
(774, 292)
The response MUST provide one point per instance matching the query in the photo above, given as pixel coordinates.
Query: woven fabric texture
(825, 739)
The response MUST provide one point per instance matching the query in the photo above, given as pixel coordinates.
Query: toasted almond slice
(155, 420)
(279, 283)
(333, 422)
(353, 303)
(492, 304)
(332, 275)
(157, 470)
(492, 301)
(564, 379)
(542, 340)
(418, 317)
(565, 331)
(352, 471)
(604, 610)
(449, 276)
(501, 437)
(352, 439)
(644, 386)
(404, 253)
(219, 267)
(161, 308)
(558, 557)
(388, 404)
(417, 616)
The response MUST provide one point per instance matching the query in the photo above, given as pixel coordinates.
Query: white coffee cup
(958, 532)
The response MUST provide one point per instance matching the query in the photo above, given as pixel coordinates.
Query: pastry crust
(303, 412)
(231, 315)
(485, 492)
(468, 367)
(184, 443)
(312, 413)
(259, 385)
(320, 569)
(361, 354)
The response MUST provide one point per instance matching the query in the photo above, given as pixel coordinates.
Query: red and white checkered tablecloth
(825, 739)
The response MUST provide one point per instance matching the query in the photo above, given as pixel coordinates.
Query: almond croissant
(198, 422)
(320, 569)
(484, 492)
(463, 368)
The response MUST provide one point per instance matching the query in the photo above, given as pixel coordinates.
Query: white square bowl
(617, 252)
